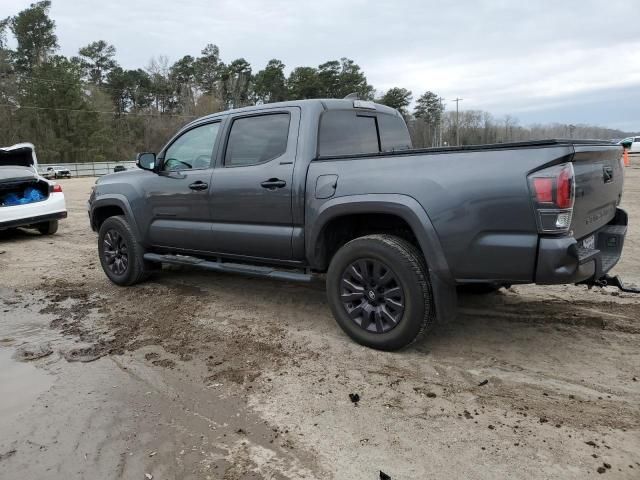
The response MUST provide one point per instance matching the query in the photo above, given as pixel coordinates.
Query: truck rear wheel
(121, 256)
(379, 291)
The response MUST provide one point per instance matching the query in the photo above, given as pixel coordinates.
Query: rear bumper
(565, 260)
(20, 215)
(23, 222)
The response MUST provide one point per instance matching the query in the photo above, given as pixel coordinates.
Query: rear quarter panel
(477, 201)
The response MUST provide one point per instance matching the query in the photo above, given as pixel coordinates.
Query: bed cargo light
(552, 191)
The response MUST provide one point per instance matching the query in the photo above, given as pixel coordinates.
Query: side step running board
(218, 266)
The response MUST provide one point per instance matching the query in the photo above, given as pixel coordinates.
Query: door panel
(178, 196)
(251, 211)
(180, 215)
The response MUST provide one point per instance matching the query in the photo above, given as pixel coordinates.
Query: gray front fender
(116, 200)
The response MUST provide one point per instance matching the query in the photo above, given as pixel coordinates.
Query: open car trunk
(19, 155)
(21, 185)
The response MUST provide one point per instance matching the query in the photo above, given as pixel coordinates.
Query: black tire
(126, 246)
(48, 228)
(408, 271)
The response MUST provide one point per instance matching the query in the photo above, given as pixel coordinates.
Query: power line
(138, 90)
(78, 110)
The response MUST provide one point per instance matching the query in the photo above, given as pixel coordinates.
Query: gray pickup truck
(289, 190)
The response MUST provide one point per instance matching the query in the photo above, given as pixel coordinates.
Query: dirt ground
(202, 375)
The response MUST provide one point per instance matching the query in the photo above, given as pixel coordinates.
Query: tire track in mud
(556, 310)
(184, 320)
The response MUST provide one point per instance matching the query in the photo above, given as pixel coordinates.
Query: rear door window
(257, 139)
(346, 133)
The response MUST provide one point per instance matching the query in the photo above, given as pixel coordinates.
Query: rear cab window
(351, 132)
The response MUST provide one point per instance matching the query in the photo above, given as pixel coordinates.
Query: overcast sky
(574, 61)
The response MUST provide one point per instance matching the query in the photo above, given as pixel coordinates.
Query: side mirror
(146, 161)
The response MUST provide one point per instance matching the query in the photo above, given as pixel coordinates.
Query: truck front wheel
(379, 291)
(121, 256)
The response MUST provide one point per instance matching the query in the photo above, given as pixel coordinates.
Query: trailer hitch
(609, 281)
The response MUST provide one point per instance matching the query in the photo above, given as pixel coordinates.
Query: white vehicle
(632, 144)
(26, 198)
(56, 172)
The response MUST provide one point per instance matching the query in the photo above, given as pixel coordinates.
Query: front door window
(192, 150)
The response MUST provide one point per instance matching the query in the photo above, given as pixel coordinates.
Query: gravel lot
(202, 375)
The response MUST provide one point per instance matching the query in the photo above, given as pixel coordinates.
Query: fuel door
(326, 186)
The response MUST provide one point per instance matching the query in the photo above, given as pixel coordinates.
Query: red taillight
(57, 188)
(564, 188)
(552, 191)
(543, 188)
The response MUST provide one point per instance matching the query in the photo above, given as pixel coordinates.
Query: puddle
(21, 382)
(25, 337)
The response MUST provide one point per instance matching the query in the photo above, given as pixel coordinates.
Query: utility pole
(440, 123)
(457, 100)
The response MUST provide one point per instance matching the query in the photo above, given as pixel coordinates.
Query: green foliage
(89, 108)
(34, 33)
(60, 105)
(429, 108)
(208, 69)
(97, 60)
(304, 83)
(4, 25)
(398, 98)
(332, 79)
(130, 90)
(270, 84)
(235, 83)
(341, 78)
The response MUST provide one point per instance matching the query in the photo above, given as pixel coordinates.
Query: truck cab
(233, 183)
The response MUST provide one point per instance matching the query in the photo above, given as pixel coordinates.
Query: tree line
(89, 108)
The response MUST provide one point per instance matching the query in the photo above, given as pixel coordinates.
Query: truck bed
(478, 198)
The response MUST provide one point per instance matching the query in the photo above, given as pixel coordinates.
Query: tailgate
(599, 178)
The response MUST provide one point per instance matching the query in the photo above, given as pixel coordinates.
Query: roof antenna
(352, 96)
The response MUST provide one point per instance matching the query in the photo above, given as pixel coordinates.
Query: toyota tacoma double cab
(290, 190)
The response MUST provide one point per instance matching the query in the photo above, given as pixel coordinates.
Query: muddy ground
(202, 375)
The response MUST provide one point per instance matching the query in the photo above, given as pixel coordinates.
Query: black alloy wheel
(115, 252)
(121, 256)
(379, 291)
(372, 295)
